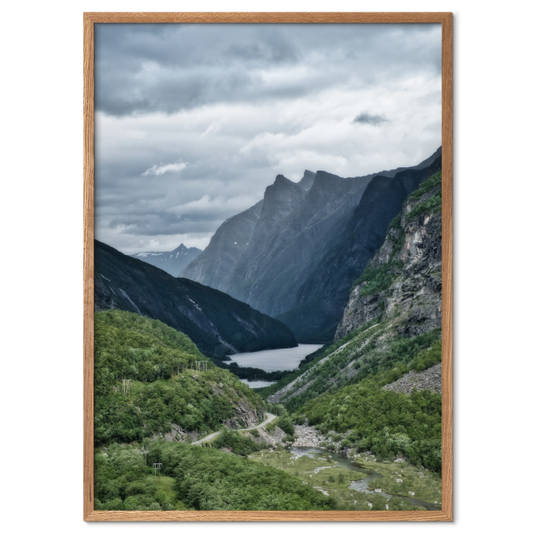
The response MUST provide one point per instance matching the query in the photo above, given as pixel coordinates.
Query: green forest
(170, 389)
(167, 384)
(196, 478)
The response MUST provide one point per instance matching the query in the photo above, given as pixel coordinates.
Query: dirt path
(269, 418)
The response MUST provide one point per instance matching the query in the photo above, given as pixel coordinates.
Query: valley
(350, 414)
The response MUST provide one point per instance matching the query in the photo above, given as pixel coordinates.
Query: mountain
(284, 240)
(404, 277)
(217, 323)
(322, 297)
(226, 247)
(385, 362)
(172, 262)
(305, 243)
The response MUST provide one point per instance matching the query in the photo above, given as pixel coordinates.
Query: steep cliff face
(291, 238)
(404, 277)
(216, 263)
(322, 297)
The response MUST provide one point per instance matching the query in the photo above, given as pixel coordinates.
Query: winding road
(269, 418)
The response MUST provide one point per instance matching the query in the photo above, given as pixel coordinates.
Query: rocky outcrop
(245, 416)
(323, 296)
(430, 379)
(308, 437)
(178, 434)
(272, 438)
(409, 266)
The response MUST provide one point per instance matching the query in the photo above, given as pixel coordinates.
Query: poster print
(267, 313)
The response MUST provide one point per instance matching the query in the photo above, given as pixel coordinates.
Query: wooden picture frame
(90, 19)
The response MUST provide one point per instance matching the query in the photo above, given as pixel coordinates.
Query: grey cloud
(142, 69)
(369, 118)
(163, 224)
(157, 86)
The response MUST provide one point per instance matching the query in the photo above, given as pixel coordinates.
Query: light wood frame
(89, 514)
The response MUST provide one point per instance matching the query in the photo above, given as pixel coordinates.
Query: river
(362, 484)
(271, 360)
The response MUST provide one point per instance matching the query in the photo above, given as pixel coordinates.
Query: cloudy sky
(194, 121)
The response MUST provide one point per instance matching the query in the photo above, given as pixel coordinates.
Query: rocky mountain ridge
(171, 262)
(321, 299)
(295, 254)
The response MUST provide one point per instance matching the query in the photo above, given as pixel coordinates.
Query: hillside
(404, 277)
(217, 323)
(154, 393)
(151, 380)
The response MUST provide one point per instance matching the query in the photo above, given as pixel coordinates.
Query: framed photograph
(268, 267)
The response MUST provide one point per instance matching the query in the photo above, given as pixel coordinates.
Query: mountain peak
(280, 178)
(307, 180)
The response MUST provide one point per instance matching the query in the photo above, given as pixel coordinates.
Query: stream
(361, 485)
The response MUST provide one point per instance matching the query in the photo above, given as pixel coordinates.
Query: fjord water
(280, 359)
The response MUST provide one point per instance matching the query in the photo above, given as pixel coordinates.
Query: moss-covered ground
(324, 473)
(406, 480)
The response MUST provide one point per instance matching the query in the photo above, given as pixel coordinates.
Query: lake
(270, 360)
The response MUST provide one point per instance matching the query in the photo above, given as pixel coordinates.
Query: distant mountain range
(216, 322)
(172, 262)
(295, 254)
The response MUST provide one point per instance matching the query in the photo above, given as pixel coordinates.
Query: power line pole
(144, 452)
(157, 468)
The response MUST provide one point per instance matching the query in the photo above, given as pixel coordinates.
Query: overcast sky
(194, 121)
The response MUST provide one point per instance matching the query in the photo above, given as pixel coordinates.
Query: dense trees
(383, 422)
(196, 478)
(165, 384)
(209, 479)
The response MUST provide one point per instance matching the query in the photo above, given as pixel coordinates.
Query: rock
(378, 490)
(399, 480)
(414, 268)
(430, 379)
